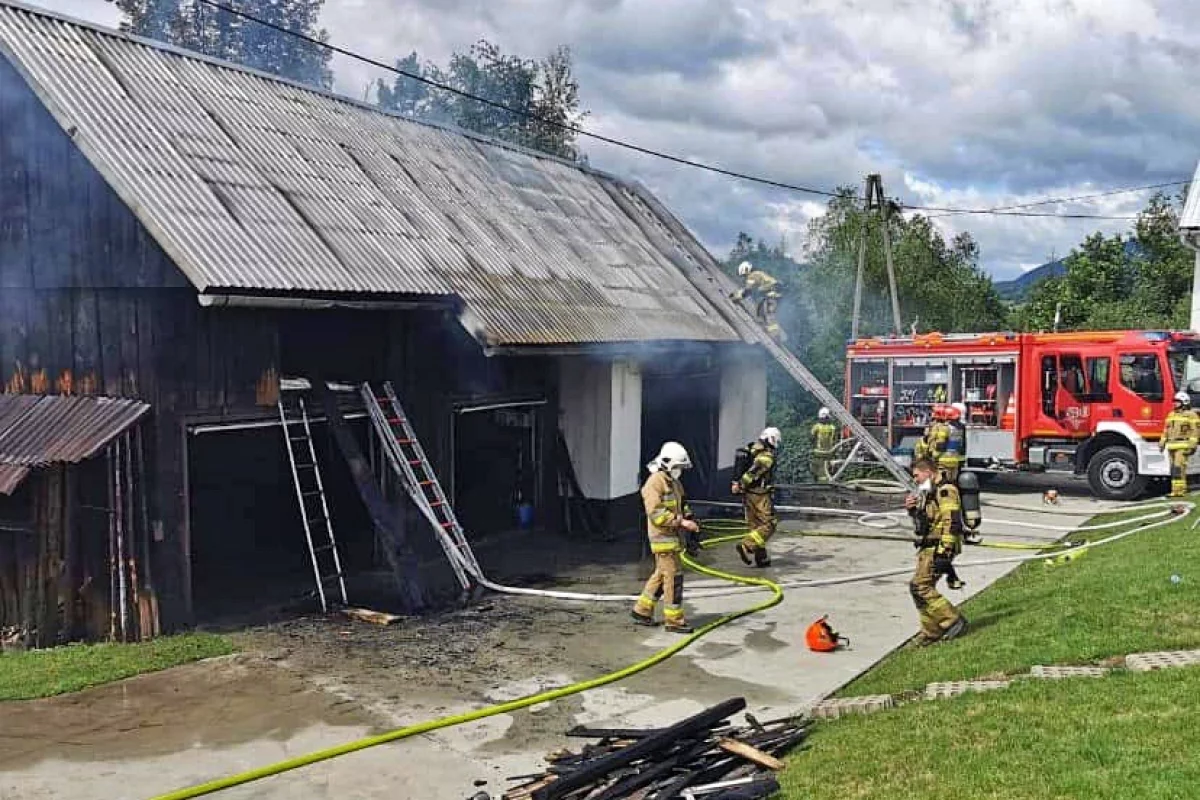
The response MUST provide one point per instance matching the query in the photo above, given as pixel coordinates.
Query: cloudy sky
(961, 103)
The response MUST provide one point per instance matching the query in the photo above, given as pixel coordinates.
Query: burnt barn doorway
(497, 467)
(248, 550)
(681, 402)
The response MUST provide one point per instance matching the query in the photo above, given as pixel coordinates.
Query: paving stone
(1040, 671)
(1145, 662)
(841, 706)
(954, 688)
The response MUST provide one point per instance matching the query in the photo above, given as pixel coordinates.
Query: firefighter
(762, 289)
(667, 516)
(823, 439)
(933, 441)
(756, 485)
(951, 459)
(1181, 434)
(937, 511)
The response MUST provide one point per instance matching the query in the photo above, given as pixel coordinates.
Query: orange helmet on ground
(823, 638)
(939, 412)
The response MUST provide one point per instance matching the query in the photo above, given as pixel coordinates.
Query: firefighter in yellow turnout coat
(1181, 434)
(937, 511)
(756, 485)
(762, 289)
(824, 435)
(667, 520)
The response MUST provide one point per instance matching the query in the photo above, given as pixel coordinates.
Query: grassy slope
(1117, 599)
(42, 673)
(1125, 736)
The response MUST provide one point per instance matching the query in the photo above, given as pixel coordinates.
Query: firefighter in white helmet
(763, 290)
(668, 524)
(1181, 434)
(755, 482)
(823, 439)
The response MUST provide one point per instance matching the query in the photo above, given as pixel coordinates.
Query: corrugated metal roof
(36, 430)
(11, 477)
(252, 183)
(1190, 219)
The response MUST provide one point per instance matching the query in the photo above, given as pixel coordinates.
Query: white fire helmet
(1183, 398)
(672, 458)
(744, 268)
(771, 436)
(823, 413)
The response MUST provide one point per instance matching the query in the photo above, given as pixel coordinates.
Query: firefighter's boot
(642, 619)
(678, 627)
(761, 558)
(745, 553)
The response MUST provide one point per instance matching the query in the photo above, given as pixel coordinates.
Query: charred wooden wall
(89, 303)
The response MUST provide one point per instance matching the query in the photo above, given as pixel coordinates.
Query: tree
(533, 104)
(220, 34)
(1114, 282)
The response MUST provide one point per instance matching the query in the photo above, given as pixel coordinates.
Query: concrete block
(1145, 662)
(1055, 673)
(935, 691)
(841, 706)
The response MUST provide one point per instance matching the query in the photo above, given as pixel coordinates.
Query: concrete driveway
(161, 732)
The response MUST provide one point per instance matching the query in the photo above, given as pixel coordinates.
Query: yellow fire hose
(501, 708)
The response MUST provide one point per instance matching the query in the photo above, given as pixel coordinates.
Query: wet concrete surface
(308, 683)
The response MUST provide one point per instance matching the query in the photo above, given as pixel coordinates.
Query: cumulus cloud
(974, 103)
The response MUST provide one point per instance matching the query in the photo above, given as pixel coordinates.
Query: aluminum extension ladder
(705, 275)
(310, 495)
(408, 460)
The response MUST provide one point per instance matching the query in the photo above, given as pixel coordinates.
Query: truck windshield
(1185, 370)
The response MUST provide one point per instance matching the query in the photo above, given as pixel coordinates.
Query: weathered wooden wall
(89, 303)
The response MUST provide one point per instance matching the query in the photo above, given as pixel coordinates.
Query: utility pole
(876, 202)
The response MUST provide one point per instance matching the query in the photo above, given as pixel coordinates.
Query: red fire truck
(1090, 403)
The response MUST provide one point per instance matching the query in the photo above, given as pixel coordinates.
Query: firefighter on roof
(668, 518)
(824, 436)
(1181, 434)
(755, 485)
(761, 288)
(937, 511)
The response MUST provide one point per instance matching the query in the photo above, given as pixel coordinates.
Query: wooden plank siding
(89, 303)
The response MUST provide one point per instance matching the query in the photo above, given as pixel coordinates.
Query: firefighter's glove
(735, 487)
(691, 543)
(942, 563)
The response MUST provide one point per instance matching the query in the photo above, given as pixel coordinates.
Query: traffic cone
(1009, 421)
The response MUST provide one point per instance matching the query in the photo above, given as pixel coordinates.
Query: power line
(1000, 211)
(1076, 198)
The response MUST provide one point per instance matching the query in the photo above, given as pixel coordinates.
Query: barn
(180, 237)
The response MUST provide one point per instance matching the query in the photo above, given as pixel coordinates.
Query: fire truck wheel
(1112, 474)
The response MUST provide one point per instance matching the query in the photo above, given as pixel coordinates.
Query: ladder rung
(414, 461)
(395, 420)
(316, 519)
(449, 524)
(310, 494)
(306, 466)
(406, 441)
(323, 547)
(333, 577)
(436, 503)
(425, 483)
(298, 438)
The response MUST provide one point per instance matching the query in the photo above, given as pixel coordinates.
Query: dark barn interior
(681, 401)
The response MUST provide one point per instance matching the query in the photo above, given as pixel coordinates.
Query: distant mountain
(1018, 289)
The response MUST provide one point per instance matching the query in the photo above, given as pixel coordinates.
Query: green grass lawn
(1129, 735)
(43, 673)
(1115, 600)
(1126, 736)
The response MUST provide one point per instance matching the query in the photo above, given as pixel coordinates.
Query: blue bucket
(525, 515)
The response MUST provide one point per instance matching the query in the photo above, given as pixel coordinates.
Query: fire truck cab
(1092, 403)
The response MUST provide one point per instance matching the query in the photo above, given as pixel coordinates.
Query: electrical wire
(1076, 198)
(579, 131)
